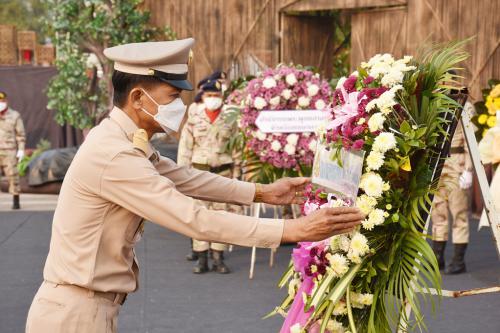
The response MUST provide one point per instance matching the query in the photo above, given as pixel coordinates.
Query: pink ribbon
(296, 313)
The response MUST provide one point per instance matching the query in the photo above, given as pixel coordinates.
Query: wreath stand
(490, 209)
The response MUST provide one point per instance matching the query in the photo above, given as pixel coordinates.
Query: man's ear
(135, 98)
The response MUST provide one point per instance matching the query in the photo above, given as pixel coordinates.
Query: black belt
(217, 169)
(457, 150)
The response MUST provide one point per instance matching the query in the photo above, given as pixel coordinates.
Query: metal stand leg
(256, 213)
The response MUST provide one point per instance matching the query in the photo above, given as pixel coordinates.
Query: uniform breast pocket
(200, 130)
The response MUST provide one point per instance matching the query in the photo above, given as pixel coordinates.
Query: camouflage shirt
(203, 142)
(12, 135)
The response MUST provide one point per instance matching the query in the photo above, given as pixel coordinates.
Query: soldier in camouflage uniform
(12, 139)
(203, 146)
(452, 196)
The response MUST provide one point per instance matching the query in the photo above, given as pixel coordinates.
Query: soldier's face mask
(3, 106)
(169, 116)
(212, 103)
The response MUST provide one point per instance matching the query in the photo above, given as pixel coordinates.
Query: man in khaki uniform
(117, 181)
(203, 145)
(12, 140)
(452, 196)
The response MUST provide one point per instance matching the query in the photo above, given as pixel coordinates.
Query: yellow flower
(496, 103)
(495, 92)
(482, 119)
(484, 132)
(490, 105)
(492, 121)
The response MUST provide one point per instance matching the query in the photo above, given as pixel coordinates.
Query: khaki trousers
(8, 164)
(452, 198)
(70, 309)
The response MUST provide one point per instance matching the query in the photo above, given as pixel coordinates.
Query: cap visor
(181, 84)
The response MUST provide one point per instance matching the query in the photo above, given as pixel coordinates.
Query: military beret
(167, 60)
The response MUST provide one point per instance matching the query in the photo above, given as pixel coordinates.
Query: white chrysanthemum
(376, 122)
(377, 216)
(320, 104)
(287, 93)
(312, 90)
(260, 135)
(393, 77)
(354, 257)
(334, 326)
(304, 101)
(290, 149)
(291, 79)
(375, 160)
(292, 139)
(359, 244)
(367, 224)
(344, 243)
(275, 101)
(312, 145)
(366, 203)
(269, 82)
(339, 309)
(276, 145)
(372, 184)
(359, 301)
(338, 264)
(384, 142)
(259, 103)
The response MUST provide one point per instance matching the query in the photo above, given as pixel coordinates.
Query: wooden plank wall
(433, 21)
(220, 27)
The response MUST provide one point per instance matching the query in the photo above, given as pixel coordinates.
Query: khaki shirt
(458, 163)
(203, 142)
(12, 135)
(111, 187)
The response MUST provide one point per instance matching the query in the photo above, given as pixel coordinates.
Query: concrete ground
(172, 299)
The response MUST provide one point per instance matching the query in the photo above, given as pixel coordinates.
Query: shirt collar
(129, 127)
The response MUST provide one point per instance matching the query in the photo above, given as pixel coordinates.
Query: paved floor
(171, 299)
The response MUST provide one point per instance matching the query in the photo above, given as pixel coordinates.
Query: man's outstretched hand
(285, 191)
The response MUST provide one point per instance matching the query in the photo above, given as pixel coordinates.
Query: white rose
(312, 90)
(376, 122)
(269, 82)
(384, 141)
(312, 145)
(320, 104)
(290, 149)
(260, 135)
(276, 145)
(292, 139)
(259, 103)
(304, 101)
(372, 184)
(291, 79)
(287, 93)
(275, 101)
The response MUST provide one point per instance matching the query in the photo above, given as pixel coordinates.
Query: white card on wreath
(338, 170)
(290, 121)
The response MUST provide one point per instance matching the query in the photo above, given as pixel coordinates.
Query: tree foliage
(82, 27)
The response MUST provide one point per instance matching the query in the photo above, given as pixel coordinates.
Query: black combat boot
(457, 265)
(202, 265)
(218, 265)
(438, 247)
(193, 256)
(15, 202)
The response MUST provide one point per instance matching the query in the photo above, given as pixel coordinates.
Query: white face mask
(212, 103)
(169, 116)
(3, 106)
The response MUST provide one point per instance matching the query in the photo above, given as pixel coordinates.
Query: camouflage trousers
(450, 199)
(8, 166)
(199, 245)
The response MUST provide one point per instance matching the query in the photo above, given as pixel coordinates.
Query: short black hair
(123, 83)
